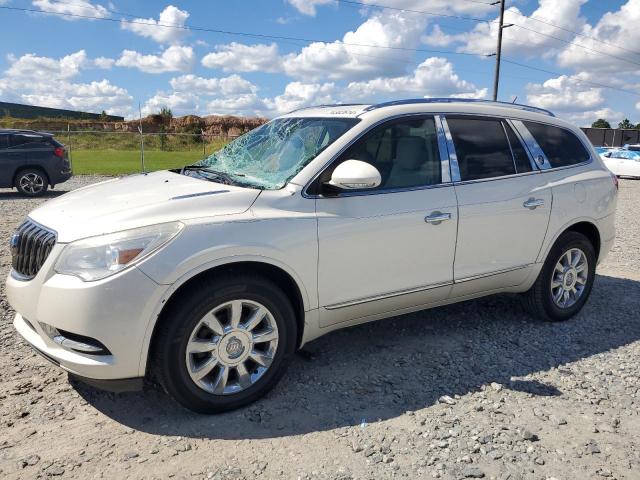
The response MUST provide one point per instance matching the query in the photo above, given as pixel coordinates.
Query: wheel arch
(586, 227)
(290, 285)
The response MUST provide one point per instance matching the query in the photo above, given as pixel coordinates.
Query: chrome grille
(30, 247)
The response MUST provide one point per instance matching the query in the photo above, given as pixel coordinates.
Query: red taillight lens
(59, 152)
(615, 181)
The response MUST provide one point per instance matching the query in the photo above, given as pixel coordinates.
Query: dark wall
(611, 137)
(17, 110)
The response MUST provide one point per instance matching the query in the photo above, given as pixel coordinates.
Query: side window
(481, 147)
(4, 142)
(20, 140)
(561, 147)
(520, 156)
(405, 152)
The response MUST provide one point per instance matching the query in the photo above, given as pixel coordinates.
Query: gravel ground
(474, 390)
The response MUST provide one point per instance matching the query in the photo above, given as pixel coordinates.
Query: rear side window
(4, 141)
(482, 148)
(19, 140)
(561, 147)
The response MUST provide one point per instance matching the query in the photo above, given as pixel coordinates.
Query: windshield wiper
(222, 177)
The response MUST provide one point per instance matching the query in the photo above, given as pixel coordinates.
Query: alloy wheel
(232, 347)
(569, 278)
(32, 183)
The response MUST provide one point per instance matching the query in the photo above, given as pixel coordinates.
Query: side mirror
(355, 174)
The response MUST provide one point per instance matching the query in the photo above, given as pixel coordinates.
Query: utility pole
(496, 78)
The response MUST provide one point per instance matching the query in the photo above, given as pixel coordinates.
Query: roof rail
(458, 100)
(327, 106)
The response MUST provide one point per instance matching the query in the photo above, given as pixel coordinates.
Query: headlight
(95, 258)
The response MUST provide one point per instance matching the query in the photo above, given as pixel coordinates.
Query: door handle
(533, 203)
(436, 218)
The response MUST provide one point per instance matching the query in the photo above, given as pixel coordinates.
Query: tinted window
(481, 147)
(4, 141)
(561, 147)
(18, 140)
(519, 153)
(405, 152)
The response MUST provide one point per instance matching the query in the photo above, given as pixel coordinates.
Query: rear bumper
(60, 176)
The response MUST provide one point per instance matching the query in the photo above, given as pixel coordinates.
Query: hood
(139, 200)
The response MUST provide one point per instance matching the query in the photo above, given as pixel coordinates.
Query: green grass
(118, 162)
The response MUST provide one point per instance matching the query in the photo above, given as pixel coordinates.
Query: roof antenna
(514, 99)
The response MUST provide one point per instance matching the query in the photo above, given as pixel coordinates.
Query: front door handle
(436, 218)
(533, 203)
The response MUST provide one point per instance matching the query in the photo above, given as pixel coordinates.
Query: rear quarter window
(561, 146)
(29, 141)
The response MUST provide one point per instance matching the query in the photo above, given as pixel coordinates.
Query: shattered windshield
(269, 156)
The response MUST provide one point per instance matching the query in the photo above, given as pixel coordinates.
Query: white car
(623, 163)
(208, 278)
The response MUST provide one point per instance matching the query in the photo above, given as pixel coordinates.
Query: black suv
(31, 161)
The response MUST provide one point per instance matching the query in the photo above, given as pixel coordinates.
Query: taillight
(615, 181)
(59, 152)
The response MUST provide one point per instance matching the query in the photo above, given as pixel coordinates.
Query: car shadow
(383, 369)
(15, 195)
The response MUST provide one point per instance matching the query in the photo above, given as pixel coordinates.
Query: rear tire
(565, 281)
(198, 334)
(31, 182)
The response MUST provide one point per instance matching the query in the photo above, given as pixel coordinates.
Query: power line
(421, 12)
(551, 72)
(295, 39)
(238, 33)
(573, 32)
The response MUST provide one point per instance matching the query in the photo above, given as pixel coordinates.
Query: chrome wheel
(31, 183)
(569, 278)
(232, 347)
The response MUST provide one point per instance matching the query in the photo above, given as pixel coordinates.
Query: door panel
(377, 251)
(497, 232)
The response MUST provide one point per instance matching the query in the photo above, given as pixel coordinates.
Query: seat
(412, 165)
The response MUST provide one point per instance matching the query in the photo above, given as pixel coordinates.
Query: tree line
(625, 124)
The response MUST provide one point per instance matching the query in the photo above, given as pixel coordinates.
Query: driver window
(404, 151)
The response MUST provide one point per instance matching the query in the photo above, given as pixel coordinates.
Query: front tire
(565, 281)
(31, 182)
(225, 344)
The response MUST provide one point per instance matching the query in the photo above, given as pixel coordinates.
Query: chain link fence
(115, 152)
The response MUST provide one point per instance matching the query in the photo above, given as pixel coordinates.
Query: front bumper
(116, 311)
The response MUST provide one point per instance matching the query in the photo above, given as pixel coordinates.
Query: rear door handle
(436, 218)
(533, 203)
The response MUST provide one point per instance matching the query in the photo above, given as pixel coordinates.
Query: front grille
(30, 247)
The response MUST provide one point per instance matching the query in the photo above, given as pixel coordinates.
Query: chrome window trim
(534, 166)
(531, 144)
(453, 158)
(305, 194)
(442, 148)
(384, 296)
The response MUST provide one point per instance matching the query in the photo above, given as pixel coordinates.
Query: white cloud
(566, 93)
(298, 94)
(237, 57)
(48, 82)
(77, 7)
(174, 59)
(180, 103)
(308, 7)
(248, 104)
(519, 41)
(435, 77)
(614, 28)
(148, 27)
(587, 117)
(231, 85)
(32, 66)
(104, 63)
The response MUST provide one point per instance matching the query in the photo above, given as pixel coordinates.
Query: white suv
(208, 278)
